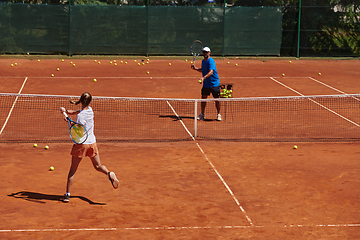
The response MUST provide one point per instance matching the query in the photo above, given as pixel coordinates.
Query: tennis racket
(77, 131)
(196, 49)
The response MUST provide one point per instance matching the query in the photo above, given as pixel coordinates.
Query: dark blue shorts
(215, 91)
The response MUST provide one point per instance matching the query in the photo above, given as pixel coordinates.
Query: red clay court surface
(182, 190)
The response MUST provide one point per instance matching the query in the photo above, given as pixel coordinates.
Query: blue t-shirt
(213, 80)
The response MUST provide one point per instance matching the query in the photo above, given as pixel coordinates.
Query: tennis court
(189, 189)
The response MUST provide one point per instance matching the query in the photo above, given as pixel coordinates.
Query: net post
(195, 119)
(147, 27)
(69, 42)
(298, 43)
(224, 25)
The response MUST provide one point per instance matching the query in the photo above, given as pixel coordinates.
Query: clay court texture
(193, 189)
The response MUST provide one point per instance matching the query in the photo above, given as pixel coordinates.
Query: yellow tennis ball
(199, 81)
(12, 65)
(121, 61)
(115, 64)
(94, 60)
(74, 64)
(295, 147)
(35, 145)
(15, 64)
(71, 62)
(110, 62)
(139, 64)
(134, 60)
(46, 147)
(38, 60)
(51, 168)
(185, 60)
(27, 53)
(236, 64)
(114, 61)
(52, 75)
(169, 64)
(62, 60)
(148, 72)
(228, 62)
(58, 69)
(289, 61)
(99, 62)
(319, 73)
(125, 62)
(95, 80)
(283, 74)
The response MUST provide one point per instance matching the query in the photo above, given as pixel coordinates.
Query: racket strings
(196, 48)
(78, 130)
(78, 133)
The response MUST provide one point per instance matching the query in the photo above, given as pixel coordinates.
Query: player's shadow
(209, 120)
(174, 117)
(43, 198)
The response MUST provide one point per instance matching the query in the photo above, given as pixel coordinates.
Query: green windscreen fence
(34, 28)
(261, 34)
(108, 30)
(139, 30)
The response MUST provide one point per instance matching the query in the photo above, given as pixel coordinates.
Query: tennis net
(36, 118)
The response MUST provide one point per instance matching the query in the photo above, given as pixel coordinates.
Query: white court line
(213, 167)
(187, 130)
(337, 114)
(184, 77)
(179, 228)
(8, 117)
(328, 86)
(227, 187)
(332, 88)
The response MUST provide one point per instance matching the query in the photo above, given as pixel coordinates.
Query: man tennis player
(89, 148)
(210, 80)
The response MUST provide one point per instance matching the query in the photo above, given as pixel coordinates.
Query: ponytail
(74, 102)
(85, 99)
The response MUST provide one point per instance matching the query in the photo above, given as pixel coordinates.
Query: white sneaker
(66, 198)
(201, 117)
(218, 117)
(114, 181)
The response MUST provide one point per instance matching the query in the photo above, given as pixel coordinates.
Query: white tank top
(86, 118)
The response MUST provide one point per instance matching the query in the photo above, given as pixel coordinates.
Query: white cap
(206, 49)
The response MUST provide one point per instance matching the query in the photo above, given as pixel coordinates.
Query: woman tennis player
(89, 148)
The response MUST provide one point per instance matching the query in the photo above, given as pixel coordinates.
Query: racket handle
(63, 110)
(65, 114)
